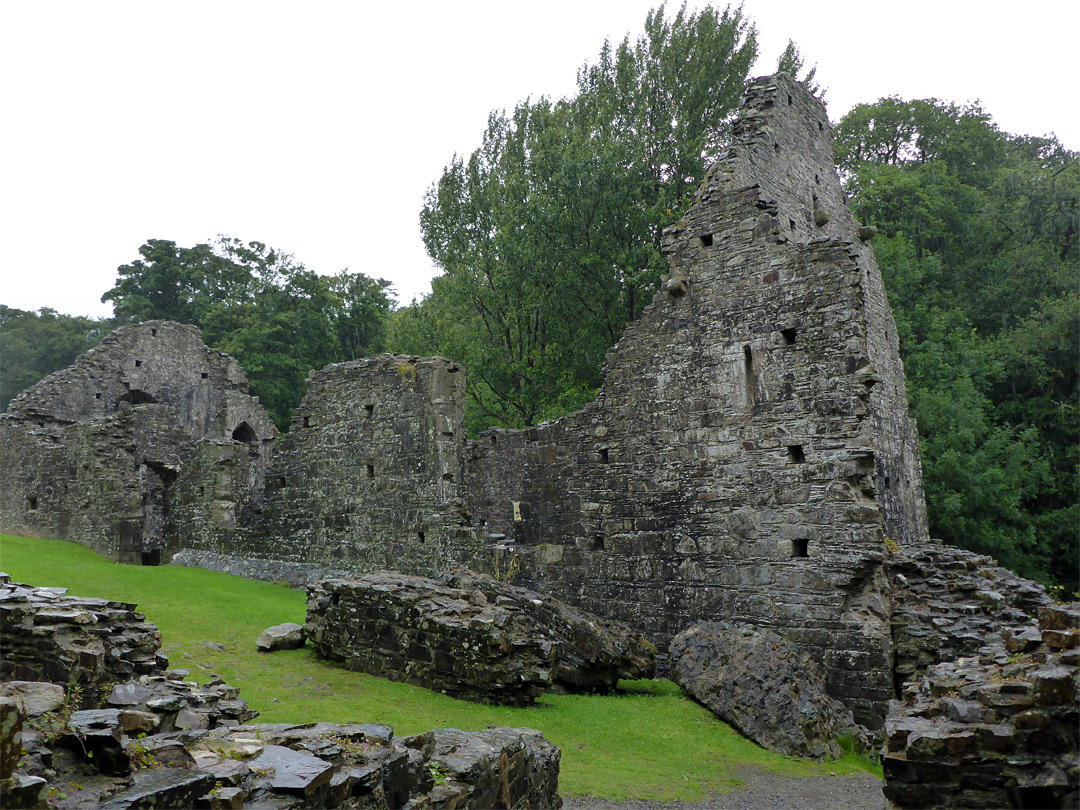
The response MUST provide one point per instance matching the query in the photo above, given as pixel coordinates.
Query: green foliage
(978, 249)
(277, 318)
(34, 344)
(645, 741)
(548, 234)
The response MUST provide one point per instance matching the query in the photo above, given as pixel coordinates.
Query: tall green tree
(548, 234)
(34, 344)
(978, 249)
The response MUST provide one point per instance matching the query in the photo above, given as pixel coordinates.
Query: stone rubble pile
(998, 729)
(50, 636)
(763, 685)
(105, 758)
(471, 636)
(946, 603)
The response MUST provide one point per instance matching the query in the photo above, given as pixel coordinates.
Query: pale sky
(317, 127)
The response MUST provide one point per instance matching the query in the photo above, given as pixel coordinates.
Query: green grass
(647, 741)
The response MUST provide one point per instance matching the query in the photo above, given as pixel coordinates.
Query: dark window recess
(152, 557)
(138, 363)
(202, 491)
(604, 459)
(447, 476)
(748, 373)
(800, 547)
(598, 542)
(795, 453)
(97, 395)
(153, 333)
(244, 433)
(307, 421)
(370, 410)
(205, 374)
(420, 536)
(370, 470)
(137, 396)
(31, 502)
(706, 239)
(790, 101)
(821, 126)
(788, 335)
(791, 224)
(776, 148)
(493, 441)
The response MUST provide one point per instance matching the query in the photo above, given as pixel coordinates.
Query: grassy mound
(647, 741)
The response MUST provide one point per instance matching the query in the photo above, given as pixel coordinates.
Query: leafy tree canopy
(548, 234)
(276, 317)
(978, 248)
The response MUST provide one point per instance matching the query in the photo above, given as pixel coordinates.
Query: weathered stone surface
(51, 636)
(471, 636)
(315, 765)
(34, 698)
(287, 636)
(764, 686)
(948, 603)
(747, 455)
(23, 791)
(998, 729)
(500, 767)
(138, 427)
(163, 788)
(179, 704)
(10, 736)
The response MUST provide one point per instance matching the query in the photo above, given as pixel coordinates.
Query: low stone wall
(471, 636)
(998, 730)
(50, 636)
(299, 575)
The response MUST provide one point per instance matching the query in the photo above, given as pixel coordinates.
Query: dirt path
(767, 791)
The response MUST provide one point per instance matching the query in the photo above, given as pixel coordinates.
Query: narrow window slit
(788, 335)
(800, 547)
(706, 239)
(796, 453)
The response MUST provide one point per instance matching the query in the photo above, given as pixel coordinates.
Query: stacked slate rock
(998, 730)
(50, 636)
(949, 603)
(470, 636)
(764, 686)
(98, 761)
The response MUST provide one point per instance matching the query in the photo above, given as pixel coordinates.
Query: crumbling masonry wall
(99, 451)
(747, 456)
(368, 477)
(750, 449)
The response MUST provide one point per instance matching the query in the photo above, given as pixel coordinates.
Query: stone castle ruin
(98, 452)
(749, 456)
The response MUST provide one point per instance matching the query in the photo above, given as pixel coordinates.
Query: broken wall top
(157, 362)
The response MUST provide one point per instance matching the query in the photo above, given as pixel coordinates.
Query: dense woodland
(548, 236)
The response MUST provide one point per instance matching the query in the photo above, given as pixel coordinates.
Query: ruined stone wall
(368, 476)
(92, 452)
(750, 448)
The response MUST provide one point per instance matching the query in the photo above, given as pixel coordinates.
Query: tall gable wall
(93, 452)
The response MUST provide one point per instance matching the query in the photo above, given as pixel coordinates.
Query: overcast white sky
(317, 127)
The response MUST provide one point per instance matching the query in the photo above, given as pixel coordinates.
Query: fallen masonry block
(471, 636)
(763, 685)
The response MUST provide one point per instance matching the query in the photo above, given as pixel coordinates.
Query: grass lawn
(647, 741)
